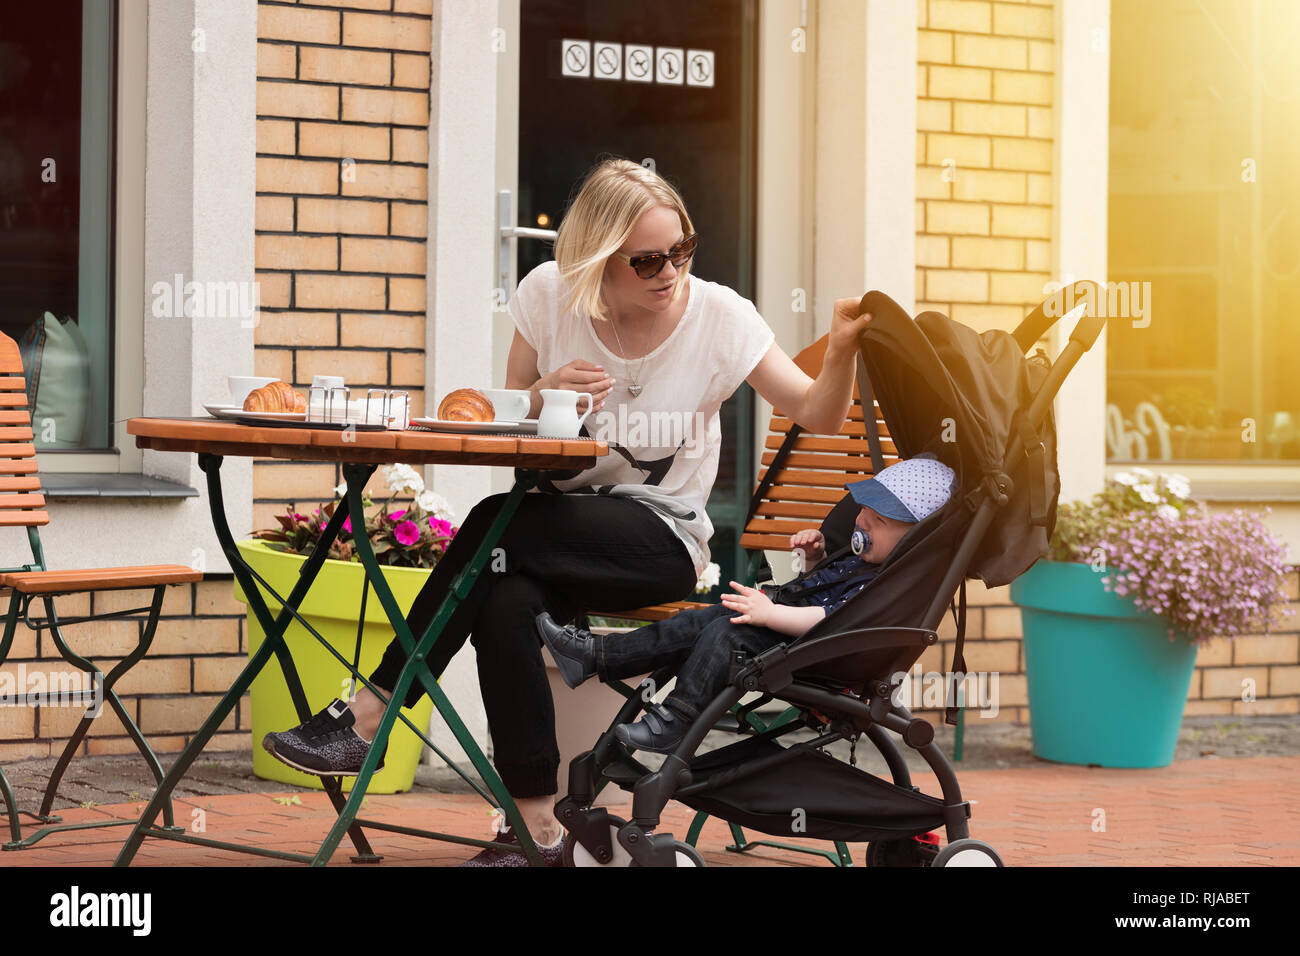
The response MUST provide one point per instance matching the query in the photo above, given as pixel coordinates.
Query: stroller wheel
(575, 854)
(967, 853)
(910, 851)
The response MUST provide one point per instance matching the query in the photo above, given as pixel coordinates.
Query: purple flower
(407, 533)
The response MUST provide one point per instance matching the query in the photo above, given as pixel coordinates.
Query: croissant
(466, 405)
(276, 397)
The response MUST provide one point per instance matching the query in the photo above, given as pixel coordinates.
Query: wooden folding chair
(23, 505)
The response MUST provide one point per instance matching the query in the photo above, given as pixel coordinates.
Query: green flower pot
(1107, 686)
(332, 606)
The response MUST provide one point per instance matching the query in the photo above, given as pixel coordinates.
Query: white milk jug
(559, 415)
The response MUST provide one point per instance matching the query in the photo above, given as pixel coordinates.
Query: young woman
(618, 315)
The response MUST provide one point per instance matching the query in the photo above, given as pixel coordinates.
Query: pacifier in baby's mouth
(860, 542)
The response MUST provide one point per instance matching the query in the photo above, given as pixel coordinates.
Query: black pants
(698, 642)
(560, 553)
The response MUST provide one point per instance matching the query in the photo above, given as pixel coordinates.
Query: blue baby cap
(910, 490)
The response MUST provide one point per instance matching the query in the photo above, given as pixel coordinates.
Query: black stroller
(979, 405)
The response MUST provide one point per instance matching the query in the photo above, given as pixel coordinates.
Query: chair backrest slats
(811, 479)
(20, 484)
(21, 503)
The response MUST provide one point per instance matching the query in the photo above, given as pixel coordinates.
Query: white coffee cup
(241, 385)
(509, 404)
(559, 417)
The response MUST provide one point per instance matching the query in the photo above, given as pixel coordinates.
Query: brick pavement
(1208, 812)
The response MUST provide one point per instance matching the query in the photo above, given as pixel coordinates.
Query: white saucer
(527, 425)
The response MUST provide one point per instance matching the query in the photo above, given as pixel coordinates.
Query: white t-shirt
(669, 436)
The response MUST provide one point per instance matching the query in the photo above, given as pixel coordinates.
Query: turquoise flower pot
(1107, 686)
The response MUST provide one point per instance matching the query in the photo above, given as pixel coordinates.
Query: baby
(701, 641)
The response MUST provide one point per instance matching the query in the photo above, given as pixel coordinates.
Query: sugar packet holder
(385, 407)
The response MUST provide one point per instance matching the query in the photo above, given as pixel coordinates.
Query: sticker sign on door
(699, 67)
(607, 61)
(637, 63)
(668, 64)
(575, 57)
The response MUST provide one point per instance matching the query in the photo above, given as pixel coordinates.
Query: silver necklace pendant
(635, 390)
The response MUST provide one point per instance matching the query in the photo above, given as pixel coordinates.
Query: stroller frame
(781, 673)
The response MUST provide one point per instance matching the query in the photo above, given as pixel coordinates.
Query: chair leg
(109, 696)
(11, 808)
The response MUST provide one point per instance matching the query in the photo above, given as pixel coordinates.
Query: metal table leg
(273, 644)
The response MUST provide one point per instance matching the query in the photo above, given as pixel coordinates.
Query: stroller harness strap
(958, 657)
(797, 590)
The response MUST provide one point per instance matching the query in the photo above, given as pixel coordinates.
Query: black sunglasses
(651, 264)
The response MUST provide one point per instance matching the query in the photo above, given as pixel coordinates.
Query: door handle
(506, 231)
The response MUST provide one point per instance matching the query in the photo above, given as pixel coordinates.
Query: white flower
(1168, 512)
(1178, 486)
(432, 503)
(1147, 492)
(341, 490)
(1144, 473)
(402, 479)
(1124, 478)
(709, 579)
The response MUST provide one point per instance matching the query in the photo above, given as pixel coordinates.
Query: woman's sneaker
(326, 745)
(507, 851)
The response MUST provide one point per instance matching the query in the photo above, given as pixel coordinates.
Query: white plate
(527, 425)
(235, 412)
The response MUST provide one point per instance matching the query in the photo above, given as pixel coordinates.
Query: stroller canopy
(961, 396)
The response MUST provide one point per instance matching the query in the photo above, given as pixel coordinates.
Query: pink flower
(440, 526)
(396, 515)
(407, 533)
(347, 524)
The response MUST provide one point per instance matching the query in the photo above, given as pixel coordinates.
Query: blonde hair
(613, 196)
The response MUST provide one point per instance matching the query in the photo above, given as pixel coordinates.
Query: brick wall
(993, 643)
(342, 170)
(197, 651)
(984, 159)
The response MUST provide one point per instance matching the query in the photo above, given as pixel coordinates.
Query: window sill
(112, 486)
(1241, 482)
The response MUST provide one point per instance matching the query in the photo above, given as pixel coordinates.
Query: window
(1204, 232)
(56, 208)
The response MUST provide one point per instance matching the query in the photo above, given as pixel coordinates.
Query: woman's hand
(580, 376)
(812, 544)
(754, 606)
(846, 326)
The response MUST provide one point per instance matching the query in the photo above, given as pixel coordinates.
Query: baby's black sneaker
(659, 731)
(573, 649)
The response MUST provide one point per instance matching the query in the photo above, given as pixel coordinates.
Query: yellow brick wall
(340, 246)
(984, 158)
(993, 643)
(197, 651)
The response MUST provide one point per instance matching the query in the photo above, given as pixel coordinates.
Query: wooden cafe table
(360, 452)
